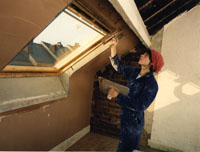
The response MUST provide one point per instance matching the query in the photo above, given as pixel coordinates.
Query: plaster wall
(176, 119)
(21, 92)
(46, 125)
(23, 20)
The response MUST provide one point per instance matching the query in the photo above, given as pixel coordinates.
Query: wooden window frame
(26, 71)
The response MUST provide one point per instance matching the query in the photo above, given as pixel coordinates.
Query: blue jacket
(142, 90)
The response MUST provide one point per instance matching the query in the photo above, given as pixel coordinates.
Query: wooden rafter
(160, 10)
(15, 68)
(146, 4)
(169, 15)
(27, 74)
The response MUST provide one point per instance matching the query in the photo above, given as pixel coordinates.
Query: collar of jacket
(149, 74)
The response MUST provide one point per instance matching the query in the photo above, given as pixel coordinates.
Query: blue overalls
(142, 91)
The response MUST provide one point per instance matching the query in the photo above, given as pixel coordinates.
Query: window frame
(56, 70)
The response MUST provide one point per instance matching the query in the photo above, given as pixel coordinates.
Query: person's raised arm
(116, 63)
(114, 47)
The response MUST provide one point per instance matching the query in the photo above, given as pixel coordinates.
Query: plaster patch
(23, 102)
(2, 117)
(45, 107)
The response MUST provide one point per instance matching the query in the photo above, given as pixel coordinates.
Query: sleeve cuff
(113, 57)
(118, 99)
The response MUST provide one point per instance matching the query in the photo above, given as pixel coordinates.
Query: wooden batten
(12, 68)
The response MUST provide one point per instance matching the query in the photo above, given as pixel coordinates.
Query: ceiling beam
(160, 10)
(173, 12)
(146, 4)
(129, 12)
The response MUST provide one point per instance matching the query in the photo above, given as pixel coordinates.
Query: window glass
(67, 36)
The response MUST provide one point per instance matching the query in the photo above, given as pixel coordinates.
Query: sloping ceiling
(21, 21)
(156, 13)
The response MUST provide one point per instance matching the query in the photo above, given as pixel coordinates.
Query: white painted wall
(176, 121)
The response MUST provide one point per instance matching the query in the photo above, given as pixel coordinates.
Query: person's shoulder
(151, 80)
(135, 70)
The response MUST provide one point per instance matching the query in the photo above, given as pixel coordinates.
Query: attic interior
(156, 14)
(51, 59)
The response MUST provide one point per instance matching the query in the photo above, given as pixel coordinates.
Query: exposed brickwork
(105, 114)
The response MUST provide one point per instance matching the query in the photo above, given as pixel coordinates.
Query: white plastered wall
(176, 122)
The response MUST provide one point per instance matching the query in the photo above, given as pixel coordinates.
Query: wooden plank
(173, 12)
(13, 68)
(145, 5)
(27, 74)
(129, 12)
(71, 62)
(160, 10)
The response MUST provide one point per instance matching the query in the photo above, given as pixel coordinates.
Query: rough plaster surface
(156, 41)
(176, 121)
(23, 20)
(42, 128)
(21, 92)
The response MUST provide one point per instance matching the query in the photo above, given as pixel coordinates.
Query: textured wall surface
(23, 20)
(16, 93)
(44, 126)
(176, 117)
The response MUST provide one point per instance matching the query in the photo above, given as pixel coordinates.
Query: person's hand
(114, 42)
(112, 93)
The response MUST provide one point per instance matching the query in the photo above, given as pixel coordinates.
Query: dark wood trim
(145, 5)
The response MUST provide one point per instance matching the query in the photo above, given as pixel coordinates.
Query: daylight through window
(66, 37)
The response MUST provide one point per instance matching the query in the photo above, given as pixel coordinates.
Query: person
(142, 91)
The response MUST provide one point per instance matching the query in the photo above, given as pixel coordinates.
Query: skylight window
(66, 37)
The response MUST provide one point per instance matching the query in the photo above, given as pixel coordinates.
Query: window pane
(63, 37)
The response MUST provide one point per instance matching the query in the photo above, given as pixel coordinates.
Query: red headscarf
(157, 61)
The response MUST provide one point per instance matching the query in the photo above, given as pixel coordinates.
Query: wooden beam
(131, 15)
(71, 61)
(14, 68)
(27, 74)
(169, 15)
(159, 10)
(146, 4)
